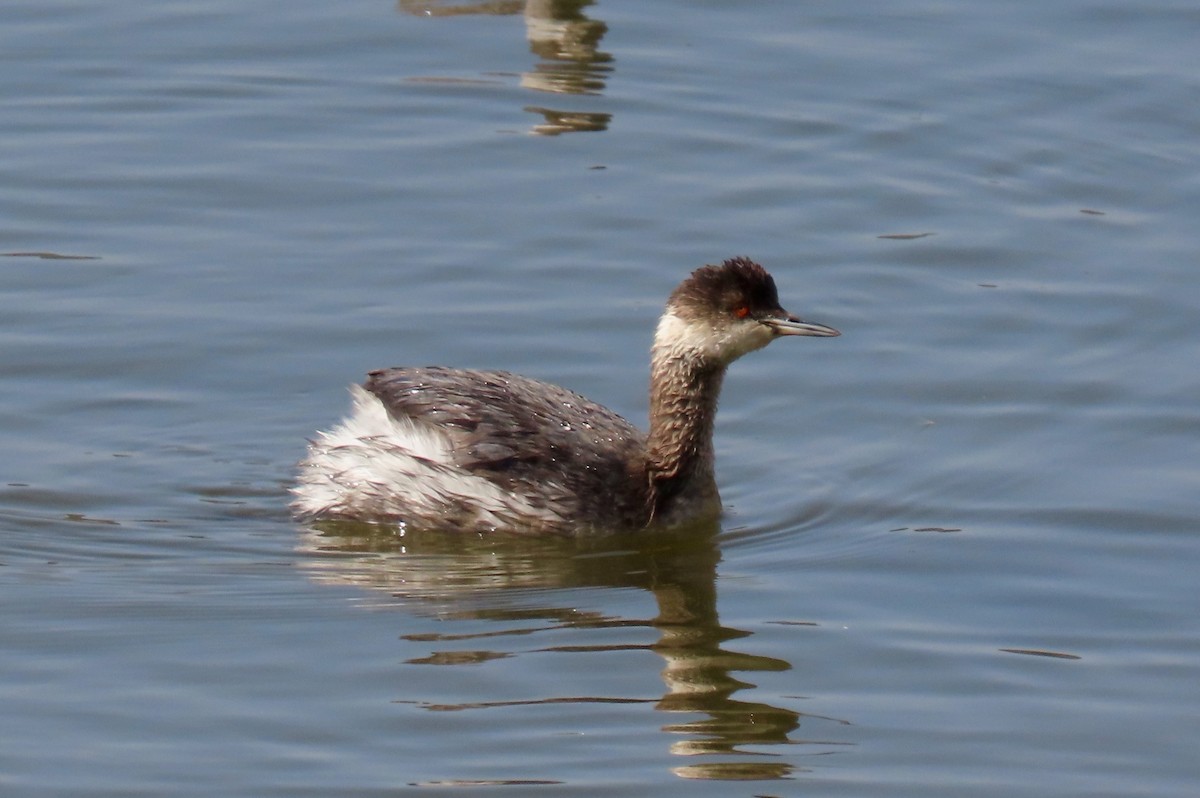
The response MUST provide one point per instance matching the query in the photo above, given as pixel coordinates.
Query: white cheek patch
(676, 336)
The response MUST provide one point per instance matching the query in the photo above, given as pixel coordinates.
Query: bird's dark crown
(736, 283)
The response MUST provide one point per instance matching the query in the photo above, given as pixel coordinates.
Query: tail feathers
(374, 467)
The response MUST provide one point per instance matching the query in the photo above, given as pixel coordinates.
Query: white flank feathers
(379, 467)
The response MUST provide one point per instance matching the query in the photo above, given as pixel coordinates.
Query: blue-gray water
(961, 549)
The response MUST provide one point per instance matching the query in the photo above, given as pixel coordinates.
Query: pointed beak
(788, 324)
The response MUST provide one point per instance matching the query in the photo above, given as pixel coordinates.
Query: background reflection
(518, 583)
(566, 43)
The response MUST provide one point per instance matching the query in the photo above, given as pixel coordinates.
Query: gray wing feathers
(512, 429)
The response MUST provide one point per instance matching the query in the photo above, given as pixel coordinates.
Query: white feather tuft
(373, 465)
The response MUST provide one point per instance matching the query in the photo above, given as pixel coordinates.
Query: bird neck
(684, 388)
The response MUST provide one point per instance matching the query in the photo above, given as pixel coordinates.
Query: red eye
(741, 311)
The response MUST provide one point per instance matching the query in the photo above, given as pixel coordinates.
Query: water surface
(960, 548)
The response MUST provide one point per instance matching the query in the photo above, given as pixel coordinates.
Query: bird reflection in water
(566, 43)
(512, 581)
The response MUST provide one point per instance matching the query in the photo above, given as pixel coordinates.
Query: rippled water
(961, 547)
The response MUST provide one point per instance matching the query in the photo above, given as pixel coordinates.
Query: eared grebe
(485, 450)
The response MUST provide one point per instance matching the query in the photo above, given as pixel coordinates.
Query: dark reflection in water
(457, 577)
(568, 121)
(566, 42)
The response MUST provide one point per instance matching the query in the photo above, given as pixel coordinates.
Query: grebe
(479, 451)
